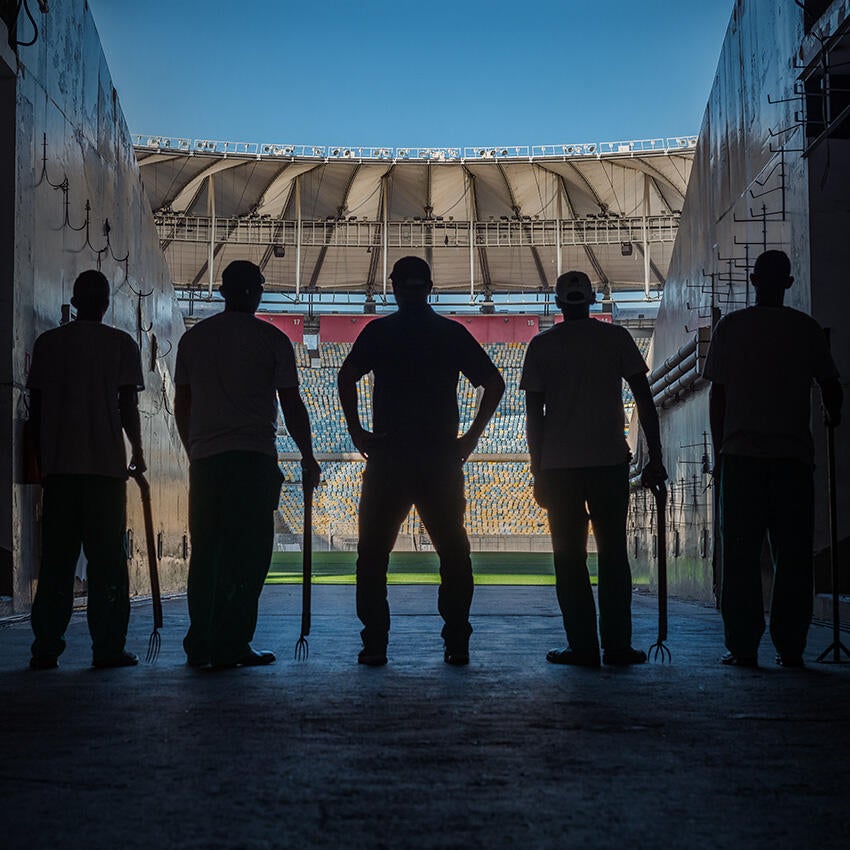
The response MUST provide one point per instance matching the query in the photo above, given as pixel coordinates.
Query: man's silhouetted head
(242, 286)
(411, 279)
(771, 277)
(574, 294)
(91, 295)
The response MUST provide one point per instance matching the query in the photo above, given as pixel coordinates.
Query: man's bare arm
(128, 408)
(654, 471)
(182, 412)
(716, 416)
(535, 405)
(346, 383)
(494, 388)
(298, 424)
(534, 414)
(35, 422)
(833, 397)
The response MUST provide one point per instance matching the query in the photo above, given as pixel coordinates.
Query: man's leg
(384, 503)
(744, 494)
(607, 489)
(60, 549)
(791, 532)
(247, 537)
(568, 523)
(440, 500)
(205, 531)
(104, 524)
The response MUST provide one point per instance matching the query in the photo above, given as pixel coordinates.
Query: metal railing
(507, 232)
(274, 150)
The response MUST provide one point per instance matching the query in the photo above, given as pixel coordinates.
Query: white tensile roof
(489, 220)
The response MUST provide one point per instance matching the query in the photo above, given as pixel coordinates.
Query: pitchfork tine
(154, 643)
(302, 649)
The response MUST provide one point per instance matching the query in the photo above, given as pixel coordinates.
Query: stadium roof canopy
(490, 220)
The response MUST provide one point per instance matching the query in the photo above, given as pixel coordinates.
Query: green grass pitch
(503, 568)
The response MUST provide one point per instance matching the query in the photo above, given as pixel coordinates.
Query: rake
(154, 642)
(836, 649)
(302, 648)
(659, 651)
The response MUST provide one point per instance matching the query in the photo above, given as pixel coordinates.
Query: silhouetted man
(414, 455)
(761, 363)
(230, 368)
(572, 377)
(84, 382)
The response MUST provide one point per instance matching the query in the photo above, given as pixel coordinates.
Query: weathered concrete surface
(509, 752)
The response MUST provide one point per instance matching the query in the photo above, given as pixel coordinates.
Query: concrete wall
(749, 189)
(69, 129)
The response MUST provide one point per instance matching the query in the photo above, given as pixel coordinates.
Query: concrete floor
(510, 752)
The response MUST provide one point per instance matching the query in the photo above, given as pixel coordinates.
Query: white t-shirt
(579, 366)
(234, 363)
(766, 358)
(79, 369)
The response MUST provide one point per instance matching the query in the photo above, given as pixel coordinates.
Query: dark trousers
(761, 496)
(232, 498)
(88, 511)
(575, 498)
(391, 485)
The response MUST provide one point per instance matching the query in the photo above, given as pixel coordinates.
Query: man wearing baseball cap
(231, 370)
(572, 377)
(414, 454)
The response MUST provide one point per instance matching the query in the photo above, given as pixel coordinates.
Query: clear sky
(413, 72)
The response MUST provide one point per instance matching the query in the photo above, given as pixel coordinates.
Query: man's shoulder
(74, 332)
(752, 317)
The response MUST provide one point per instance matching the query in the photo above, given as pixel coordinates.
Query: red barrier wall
(342, 328)
(482, 328)
(292, 326)
(500, 328)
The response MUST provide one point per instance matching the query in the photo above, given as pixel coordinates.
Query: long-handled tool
(302, 649)
(150, 540)
(659, 651)
(836, 648)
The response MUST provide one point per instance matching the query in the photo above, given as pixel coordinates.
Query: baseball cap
(411, 271)
(242, 276)
(574, 287)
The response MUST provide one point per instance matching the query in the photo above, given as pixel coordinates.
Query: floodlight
(279, 251)
(626, 249)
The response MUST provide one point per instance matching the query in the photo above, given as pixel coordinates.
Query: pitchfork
(302, 648)
(659, 651)
(155, 640)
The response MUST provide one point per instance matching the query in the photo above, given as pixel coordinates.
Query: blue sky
(413, 72)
